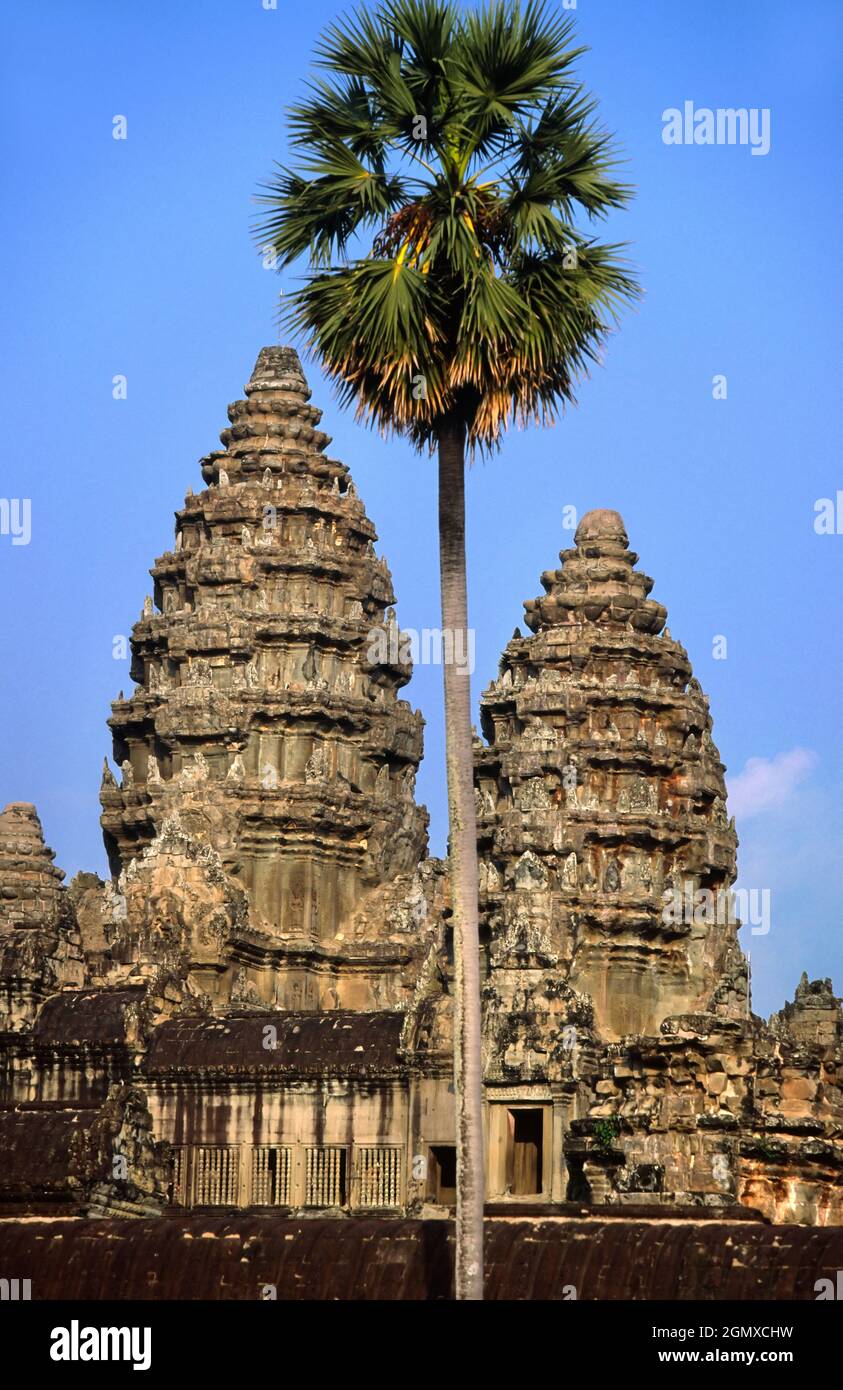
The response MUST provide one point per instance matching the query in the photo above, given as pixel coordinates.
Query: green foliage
(443, 157)
(606, 1134)
(766, 1150)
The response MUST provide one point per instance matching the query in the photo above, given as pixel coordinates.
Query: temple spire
(601, 798)
(598, 582)
(278, 369)
(266, 717)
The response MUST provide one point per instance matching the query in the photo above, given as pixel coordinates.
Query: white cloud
(765, 783)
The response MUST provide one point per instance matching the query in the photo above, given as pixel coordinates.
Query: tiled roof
(202, 1257)
(304, 1043)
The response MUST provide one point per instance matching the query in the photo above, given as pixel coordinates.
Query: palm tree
(443, 157)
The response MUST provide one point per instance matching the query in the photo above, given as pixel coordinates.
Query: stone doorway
(524, 1151)
(520, 1154)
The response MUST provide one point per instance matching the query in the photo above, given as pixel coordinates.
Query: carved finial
(107, 775)
(148, 607)
(278, 369)
(601, 525)
(179, 540)
(128, 774)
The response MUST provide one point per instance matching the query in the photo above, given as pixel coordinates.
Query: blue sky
(134, 257)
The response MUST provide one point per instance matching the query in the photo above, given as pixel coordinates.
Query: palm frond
(442, 160)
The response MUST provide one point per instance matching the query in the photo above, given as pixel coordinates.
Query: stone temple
(254, 1014)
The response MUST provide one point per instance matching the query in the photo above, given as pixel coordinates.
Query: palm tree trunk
(468, 1079)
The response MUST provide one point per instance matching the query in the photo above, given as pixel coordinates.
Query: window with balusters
(216, 1176)
(178, 1189)
(272, 1175)
(325, 1175)
(367, 1176)
(378, 1176)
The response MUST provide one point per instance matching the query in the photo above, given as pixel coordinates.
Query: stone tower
(40, 950)
(256, 1012)
(606, 853)
(266, 723)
